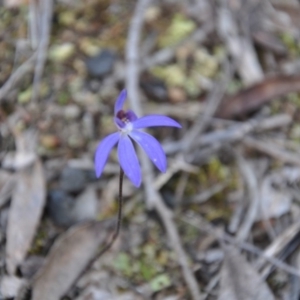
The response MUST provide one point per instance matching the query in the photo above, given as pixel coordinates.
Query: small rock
(101, 64)
(176, 94)
(10, 286)
(61, 52)
(85, 207)
(155, 89)
(65, 210)
(49, 141)
(152, 14)
(88, 124)
(31, 265)
(59, 207)
(72, 180)
(76, 140)
(72, 112)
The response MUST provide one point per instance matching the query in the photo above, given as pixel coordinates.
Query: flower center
(123, 116)
(127, 127)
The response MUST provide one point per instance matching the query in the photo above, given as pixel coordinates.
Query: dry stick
(46, 21)
(254, 196)
(244, 246)
(33, 18)
(233, 133)
(154, 199)
(13, 80)
(166, 54)
(254, 200)
(273, 150)
(213, 101)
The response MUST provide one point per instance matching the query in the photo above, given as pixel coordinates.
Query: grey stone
(101, 64)
(72, 180)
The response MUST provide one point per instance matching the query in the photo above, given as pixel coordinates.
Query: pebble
(60, 53)
(101, 64)
(176, 95)
(72, 112)
(59, 207)
(66, 210)
(72, 180)
(155, 89)
(10, 286)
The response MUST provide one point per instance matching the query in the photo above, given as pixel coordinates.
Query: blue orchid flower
(128, 125)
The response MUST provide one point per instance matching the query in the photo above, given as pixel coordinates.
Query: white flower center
(128, 128)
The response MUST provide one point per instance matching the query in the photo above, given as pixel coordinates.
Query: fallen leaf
(68, 257)
(7, 184)
(250, 99)
(27, 205)
(15, 3)
(276, 199)
(239, 280)
(269, 41)
(10, 285)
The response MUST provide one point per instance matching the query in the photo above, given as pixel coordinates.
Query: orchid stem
(119, 221)
(115, 235)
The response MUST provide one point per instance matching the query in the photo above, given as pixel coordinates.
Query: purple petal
(152, 147)
(120, 101)
(155, 120)
(129, 161)
(119, 123)
(131, 116)
(103, 150)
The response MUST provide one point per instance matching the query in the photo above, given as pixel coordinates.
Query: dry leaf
(15, 3)
(10, 285)
(7, 184)
(239, 280)
(276, 193)
(250, 99)
(68, 257)
(27, 205)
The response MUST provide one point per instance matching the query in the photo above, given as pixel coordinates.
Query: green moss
(160, 282)
(40, 239)
(291, 43)
(172, 74)
(63, 98)
(179, 28)
(294, 98)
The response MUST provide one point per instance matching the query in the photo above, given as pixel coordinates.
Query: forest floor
(223, 222)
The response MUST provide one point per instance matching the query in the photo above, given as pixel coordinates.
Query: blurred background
(223, 222)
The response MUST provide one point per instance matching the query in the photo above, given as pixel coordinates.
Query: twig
(33, 23)
(213, 100)
(166, 54)
(162, 56)
(252, 185)
(13, 80)
(240, 47)
(46, 21)
(154, 199)
(278, 245)
(177, 164)
(272, 150)
(231, 134)
(264, 255)
(206, 194)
